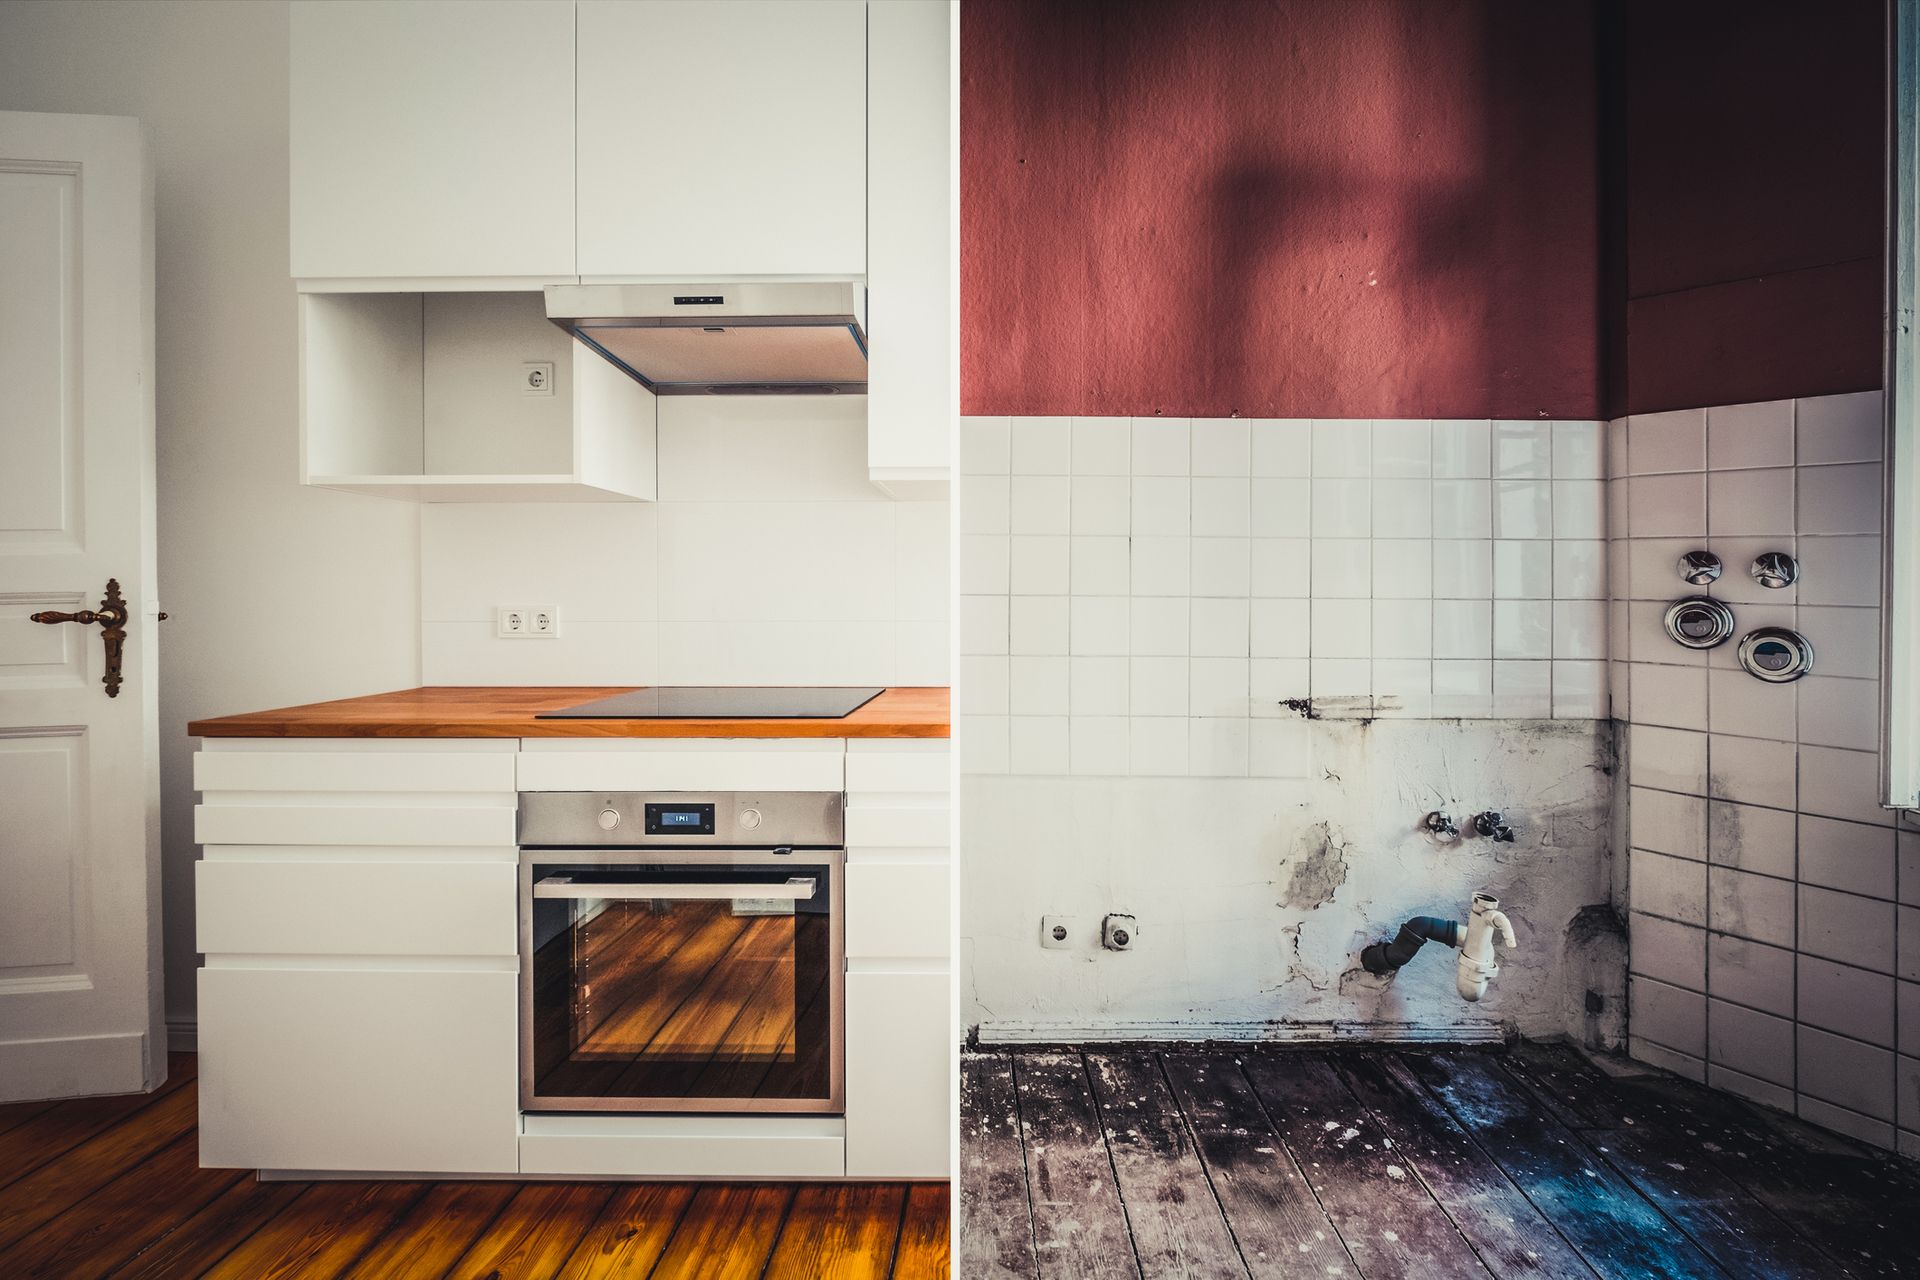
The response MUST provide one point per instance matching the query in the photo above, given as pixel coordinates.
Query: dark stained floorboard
(1522, 1164)
(112, 1187)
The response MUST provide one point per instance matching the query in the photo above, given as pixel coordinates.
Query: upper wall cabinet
(433, 140)
(722, 139)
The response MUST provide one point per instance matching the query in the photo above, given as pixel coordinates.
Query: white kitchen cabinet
(424, 396)
(910, 246)
(432, 139)
(900, 1044)
(356, 1069)
(722, 139)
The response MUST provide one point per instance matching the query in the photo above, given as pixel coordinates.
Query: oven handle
(797, 888)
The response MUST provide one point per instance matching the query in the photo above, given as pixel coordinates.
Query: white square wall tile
(1847, 641)
(1463, 629)
(1221, 447)
(1522, 450)
(1667, 506)
(1342, 508)
(1836, 783)
(1280, 628)
(1100, 447)
(1402, 447)
(1750, 435)
(1668, 951)
(1672, 888)
(1751, 973)
(1579, 569)
(1219, 628)
(1402, 508)
(1462, 448)
(1842, 428)
(1042, 446)
(1158, 745)
(1217, 687)
(1671, 696)
(985, 505)
(1523, 508)
(1669, 823)
(1098, 745)
(1098, 625)
(1579, 509)
(1037, 686)
(1850, 856)
(1664, 442)
(983, 624)
(985, 564)
(1522, 569)
(1751, 838)
(1342, 447)
(1038, 566)
(1162, 566)
(1158, 686)
(983, 744)
(1750, 502)
(1342, 568)
(1577, 452)
(1462, 508)
(1838, 570)
(1402, 629)
(1220, 507)
(1221, 567)
(1463, 569)
(1272, 682)
(1738, 704)
(1161, 505)
(984, 686)
(1099, 566)
(1522, 629)
(1342, 628)
(1101, 506)
(1463, 689)
(1280, 446)
(1667, 759)
(1281, 567)
(983, 446)
(1839, 499)
(1159, 627)
(1037, 744)
(1859, 1077)
(1846, 927)
(1834, 712)
(1217, 747)
(1161, 447)
(1753, 771)
(1337, 680)
(1402, 569)
(1040, 504)
(1753, 1043)
(1037, 624)
(1580, 629)
(1279, 748)
(1281, 508)
(1097, 686)
(1403, 688)
(1522, 690)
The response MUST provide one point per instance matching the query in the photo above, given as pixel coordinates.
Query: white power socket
(1059, 933)
(526, 622)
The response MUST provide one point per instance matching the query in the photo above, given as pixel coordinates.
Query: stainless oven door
(677, 980)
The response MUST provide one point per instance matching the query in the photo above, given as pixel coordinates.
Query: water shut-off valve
(1477, 966)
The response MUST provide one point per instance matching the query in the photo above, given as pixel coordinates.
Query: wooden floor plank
(1391, 1226)
(50, 1130)
(78, 1172)
(1613, 1226)
(194, 1245)
(15, 1114)
(1762, 1199)
(1177, 1225)
(996, 1220)
(925, 1251)
(1511, 1236)
(844, 1231)
(1281, 1229)
(121, 1218)
(321, 1233)
(435, 1232)
(727, 1233)
(631, 1232)
(536, 1233)
(1079, 1226)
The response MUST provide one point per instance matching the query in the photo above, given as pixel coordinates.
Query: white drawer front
(922, 772)
(682, 771)
(356, 908)
(356, 825)
(352, 771)
(706, 1156)
(900, 1061)
(891, 828)
(899, 909)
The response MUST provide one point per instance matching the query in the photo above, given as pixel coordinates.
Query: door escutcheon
(112, 617)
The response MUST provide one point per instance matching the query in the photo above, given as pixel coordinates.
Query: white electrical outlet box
(536, 378)
(1118, 932)
(1058, 933)
(526, 622)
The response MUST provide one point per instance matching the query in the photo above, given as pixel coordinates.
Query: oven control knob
(609, 819)
(749, 819)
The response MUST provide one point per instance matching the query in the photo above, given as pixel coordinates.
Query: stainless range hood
(753, 338)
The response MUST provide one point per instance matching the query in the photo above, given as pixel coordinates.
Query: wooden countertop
(480, 712)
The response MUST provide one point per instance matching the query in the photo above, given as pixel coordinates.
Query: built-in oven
(682, 952)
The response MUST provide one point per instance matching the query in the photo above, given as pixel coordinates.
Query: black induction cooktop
(691, 702)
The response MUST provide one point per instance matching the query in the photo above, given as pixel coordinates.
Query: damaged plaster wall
(1255, 896)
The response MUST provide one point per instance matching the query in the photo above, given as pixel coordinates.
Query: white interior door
(79, 781)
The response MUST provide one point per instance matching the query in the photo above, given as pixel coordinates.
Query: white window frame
(1900, 626)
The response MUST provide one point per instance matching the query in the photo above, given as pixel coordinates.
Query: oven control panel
(650, 819)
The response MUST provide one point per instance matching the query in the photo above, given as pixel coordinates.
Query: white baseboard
(183, 1035)
(1011, 1032)
(72, 1066)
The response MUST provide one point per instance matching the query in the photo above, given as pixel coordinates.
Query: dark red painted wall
(1750, 199)
(1280, 208)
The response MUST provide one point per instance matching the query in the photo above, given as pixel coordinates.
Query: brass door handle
(112, 617)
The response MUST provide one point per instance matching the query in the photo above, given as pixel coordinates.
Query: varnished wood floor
(113, 1187)
(1378, 1164)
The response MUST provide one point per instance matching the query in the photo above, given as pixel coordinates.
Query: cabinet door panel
(720, 139)
(432, 139)
(900, 1054)
(375, 1070)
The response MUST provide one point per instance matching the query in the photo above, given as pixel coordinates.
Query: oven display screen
(680, 819)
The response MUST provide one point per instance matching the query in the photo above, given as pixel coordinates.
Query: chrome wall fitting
(1440, 826)
(1775, 569)
(1493, 824)
(1698, 568)
(1777, 655)
(1699, 622)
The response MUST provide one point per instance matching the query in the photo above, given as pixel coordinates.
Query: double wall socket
(526, 622)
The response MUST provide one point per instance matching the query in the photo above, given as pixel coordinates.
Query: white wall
(1776, 905)
(769, 558)
(278, 594)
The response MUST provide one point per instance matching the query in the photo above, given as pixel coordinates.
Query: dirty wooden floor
(1366, 1163)
(113, 1187)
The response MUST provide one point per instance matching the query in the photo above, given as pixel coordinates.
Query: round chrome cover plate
(1776, 654)
(1699, 622)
